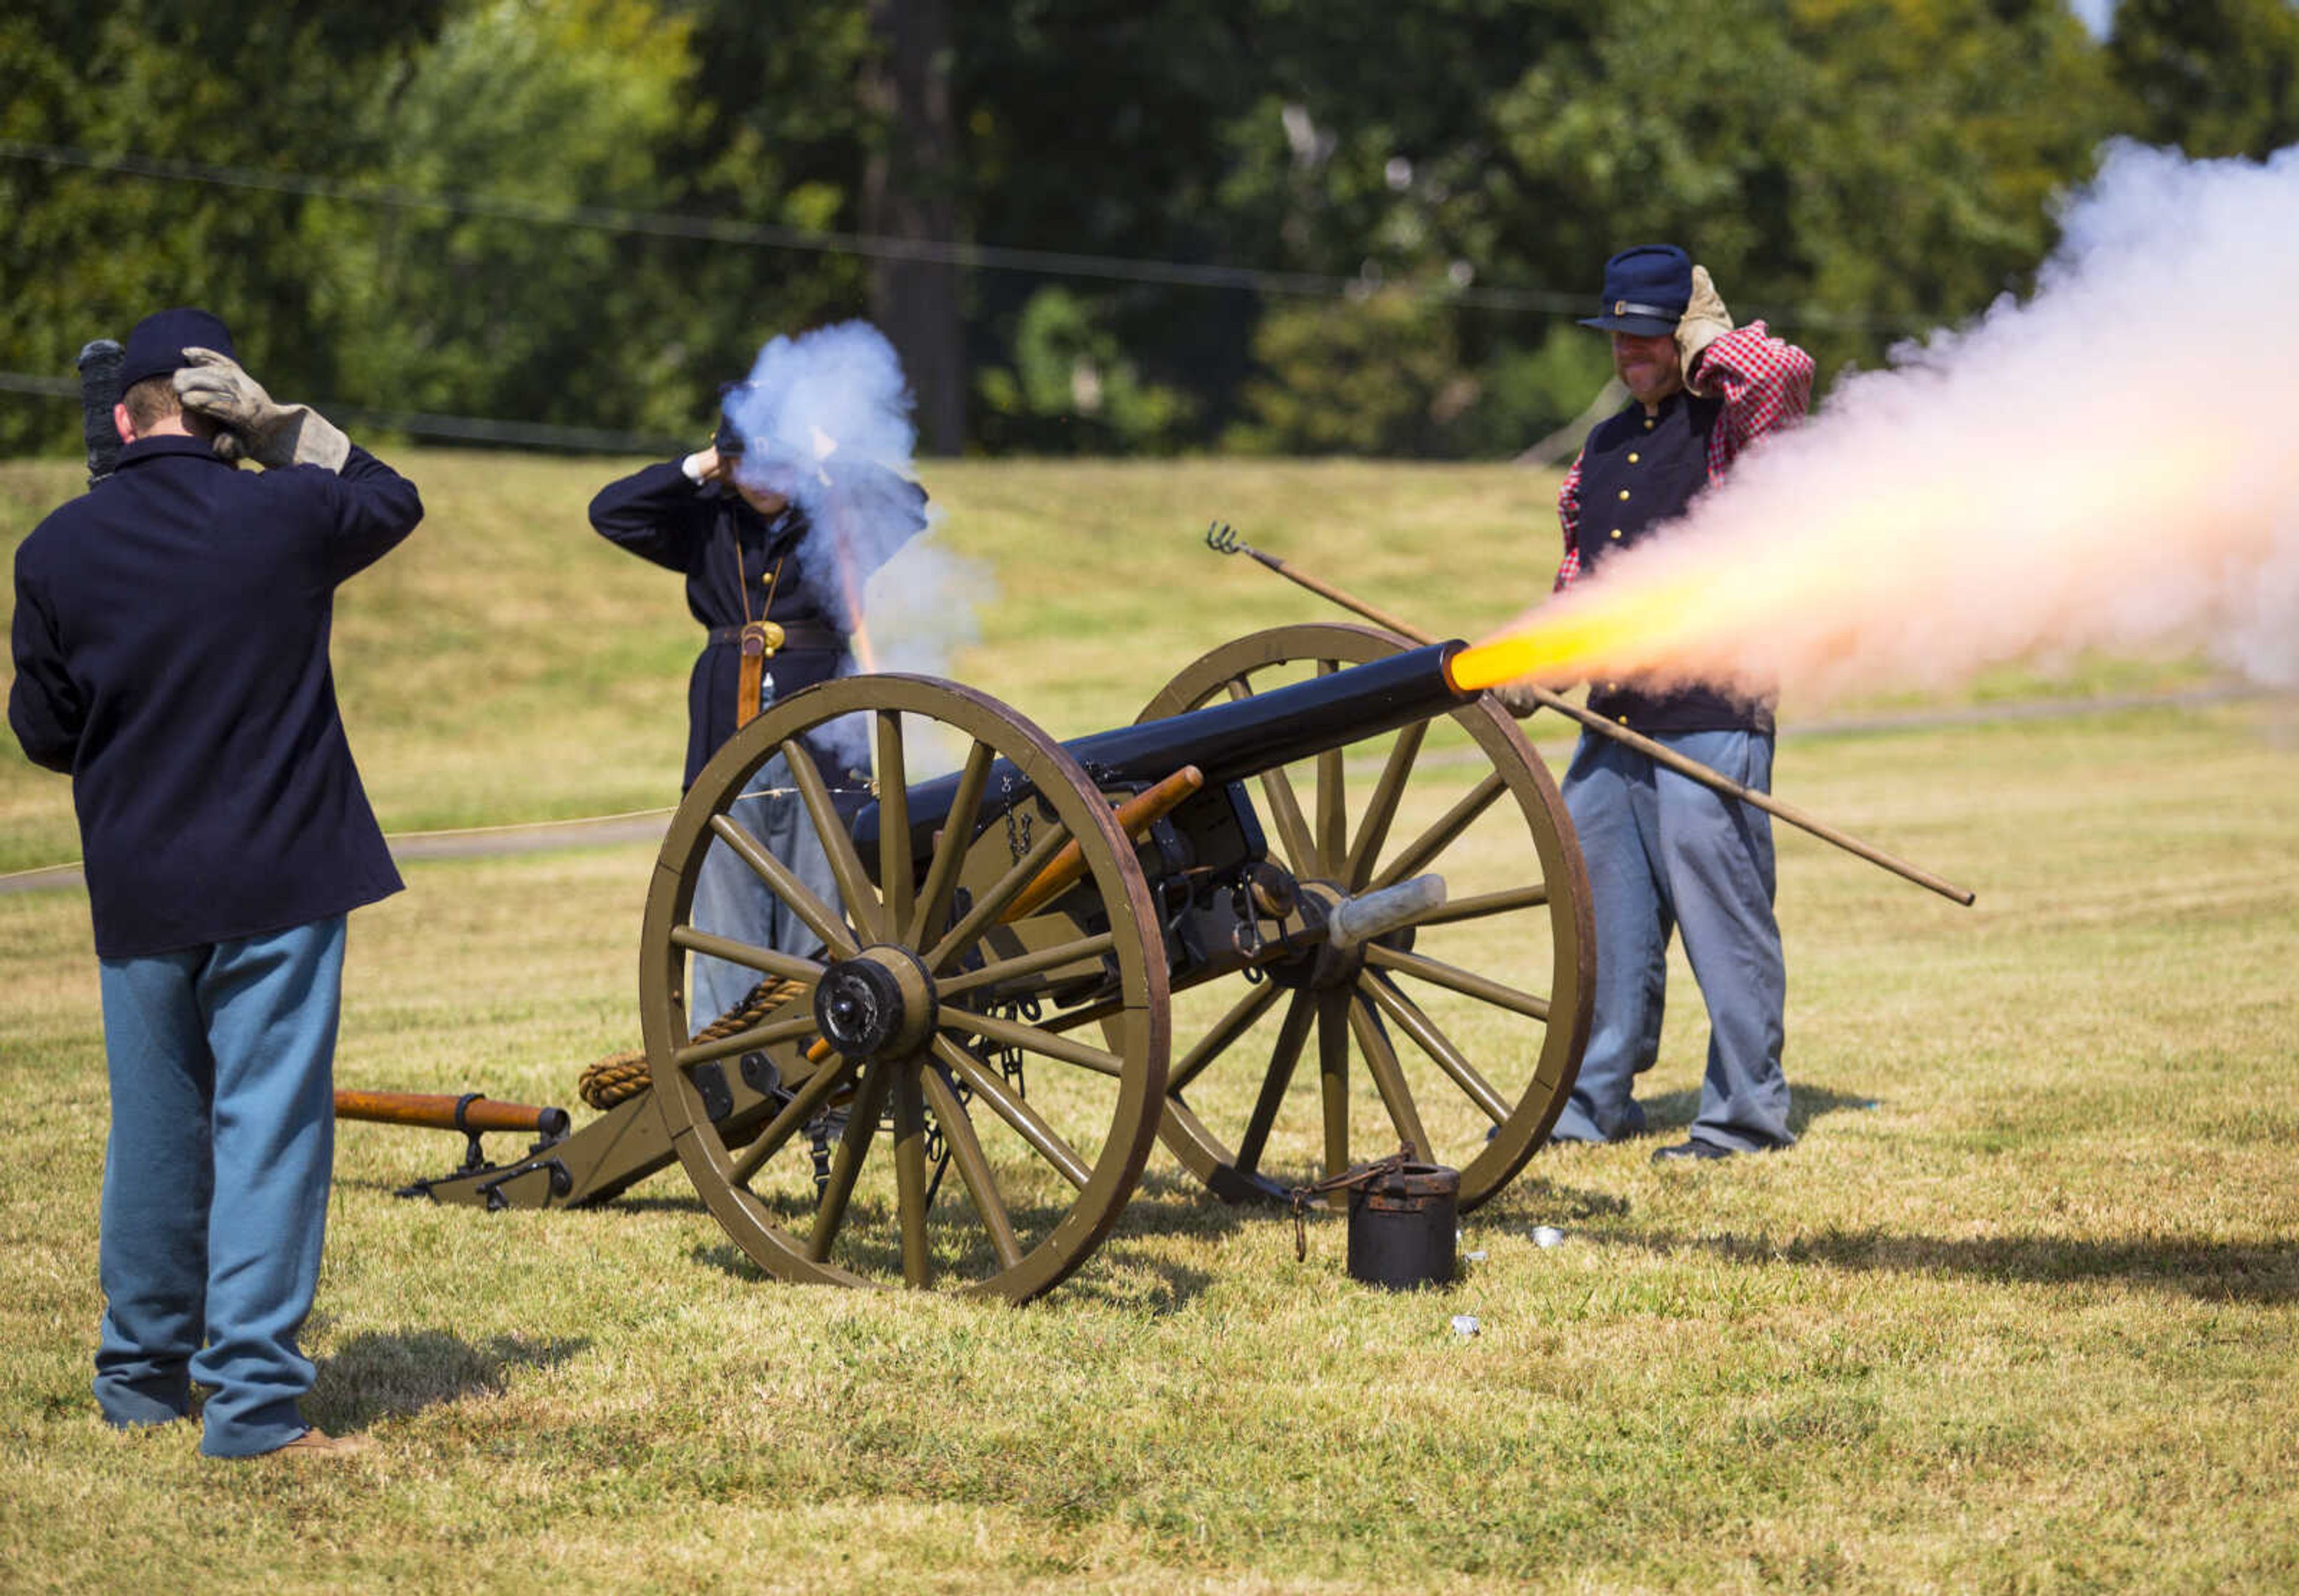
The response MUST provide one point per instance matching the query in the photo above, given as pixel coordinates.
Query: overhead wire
(969, 256)
(959, 252)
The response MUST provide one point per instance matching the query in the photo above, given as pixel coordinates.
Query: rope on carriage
(619, 1077)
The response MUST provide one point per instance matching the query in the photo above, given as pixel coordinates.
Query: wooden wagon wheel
(1490, 995)
(922, 1016)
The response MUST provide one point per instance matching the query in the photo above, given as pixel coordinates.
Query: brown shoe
(316, 1442)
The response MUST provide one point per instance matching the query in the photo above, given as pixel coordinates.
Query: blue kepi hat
(156, 348)
(1645, 291)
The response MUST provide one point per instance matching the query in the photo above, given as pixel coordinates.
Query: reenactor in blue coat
(170, 641)
(763, 579)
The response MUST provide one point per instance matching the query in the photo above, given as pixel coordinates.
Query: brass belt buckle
(760, 639)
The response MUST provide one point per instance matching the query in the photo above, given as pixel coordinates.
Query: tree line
(1089, 226)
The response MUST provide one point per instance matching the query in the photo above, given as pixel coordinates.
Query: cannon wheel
(1481, 1104)
(1043, 1163)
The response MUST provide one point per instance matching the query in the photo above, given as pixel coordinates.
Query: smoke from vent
(826, 420)
(2108, 464)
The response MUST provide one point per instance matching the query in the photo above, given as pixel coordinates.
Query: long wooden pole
(1659, 753)
(436, 1111)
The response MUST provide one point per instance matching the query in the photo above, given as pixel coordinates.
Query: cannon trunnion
(1313, 904)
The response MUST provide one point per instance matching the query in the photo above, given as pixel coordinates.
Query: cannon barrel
(1226, 740)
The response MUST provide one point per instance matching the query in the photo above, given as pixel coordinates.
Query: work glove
(1518, 698)
(1704, 320)
(274, 435)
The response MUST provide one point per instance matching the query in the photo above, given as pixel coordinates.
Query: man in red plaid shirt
(1666, 854)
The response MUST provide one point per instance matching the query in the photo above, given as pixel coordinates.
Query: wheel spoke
(950, 851)
(1456, 979)
(1008, 1033)
(795, 1113)
(896, 866)
(819, 917)
(1487, 903)
(789, 1029)
(910, 1172)
(986, 909)
(1291, 1033)
(1381, 810)
(861, 1124)
(1439, 836)
(1232, 1026)
(1027, 964)
(1388, 1080)
(1333, 1075)
(1070, 1020)
(1440, 1047)
(1027, 1123)
(837, 842)
(974, 1168)
(766, 960)
(1332, 798)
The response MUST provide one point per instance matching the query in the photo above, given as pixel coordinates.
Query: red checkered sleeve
(1568, 516)
(1765, 383)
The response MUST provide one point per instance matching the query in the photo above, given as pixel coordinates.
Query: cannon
(1055, 954)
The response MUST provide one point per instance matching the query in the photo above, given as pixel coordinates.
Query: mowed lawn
(2020, 1311)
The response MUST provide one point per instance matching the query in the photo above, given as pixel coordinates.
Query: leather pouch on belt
(758, 643)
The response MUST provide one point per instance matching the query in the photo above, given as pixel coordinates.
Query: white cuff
(692, 467)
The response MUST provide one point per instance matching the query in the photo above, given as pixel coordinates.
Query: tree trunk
(909, 193)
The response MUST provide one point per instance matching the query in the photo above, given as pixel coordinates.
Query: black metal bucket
(1403, 1225)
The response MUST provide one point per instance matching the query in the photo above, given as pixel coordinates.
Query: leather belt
(796, 634)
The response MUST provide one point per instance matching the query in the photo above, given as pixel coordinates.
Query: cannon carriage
(1317, 904)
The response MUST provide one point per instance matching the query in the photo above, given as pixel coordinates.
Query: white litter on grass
(1464, 1324)
(1547, 1236)
(1477, 1257)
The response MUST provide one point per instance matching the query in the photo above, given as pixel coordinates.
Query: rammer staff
(1224, 539)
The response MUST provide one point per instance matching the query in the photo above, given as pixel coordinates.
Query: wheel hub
(878, 1004)
(1319, 966)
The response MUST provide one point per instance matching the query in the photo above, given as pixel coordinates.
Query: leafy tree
(2212, 77)
(1888, 160)
(511, 315)
(1072, 390)
(87, 250)
(1378, 375)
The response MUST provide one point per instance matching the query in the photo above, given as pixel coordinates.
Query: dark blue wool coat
(170, 639)
(728, 553)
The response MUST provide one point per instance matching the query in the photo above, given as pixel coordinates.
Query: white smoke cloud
(826, 420)
(2107, 464)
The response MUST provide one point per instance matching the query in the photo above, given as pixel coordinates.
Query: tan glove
(1518, 698)
(1704, 320)
(275, 435)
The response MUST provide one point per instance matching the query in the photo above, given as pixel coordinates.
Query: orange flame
(1568, 639)
(865, 655)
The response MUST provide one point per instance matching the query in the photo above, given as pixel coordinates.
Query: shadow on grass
(1674, 1110)
(407, 1371)
(2263, 1273)
(1165, 1203)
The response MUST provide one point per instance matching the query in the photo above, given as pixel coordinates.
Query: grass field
(2020, 1312)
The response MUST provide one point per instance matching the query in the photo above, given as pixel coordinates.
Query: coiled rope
(619, 1077)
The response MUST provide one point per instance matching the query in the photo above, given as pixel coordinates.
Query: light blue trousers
(731, 901)
(1666, 855)
(215, 1180)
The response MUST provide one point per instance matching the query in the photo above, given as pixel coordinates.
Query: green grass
(2020, 1311)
